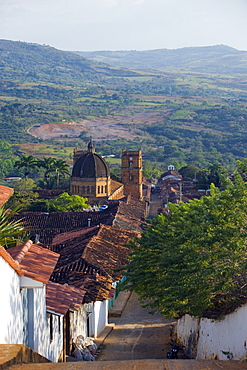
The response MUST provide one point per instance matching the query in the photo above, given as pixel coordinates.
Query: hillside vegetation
(220, 59)
(176, 116)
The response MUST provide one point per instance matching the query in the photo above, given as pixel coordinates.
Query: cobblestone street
(137, 335)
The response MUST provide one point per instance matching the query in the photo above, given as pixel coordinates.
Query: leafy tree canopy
(194, 260)
(24, 194)
(62, 203)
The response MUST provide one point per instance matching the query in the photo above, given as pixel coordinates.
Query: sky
(87, 25)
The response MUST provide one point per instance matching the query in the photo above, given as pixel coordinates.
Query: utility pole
(180, 192)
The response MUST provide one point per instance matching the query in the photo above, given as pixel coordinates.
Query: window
(50, 325)
(59, 324)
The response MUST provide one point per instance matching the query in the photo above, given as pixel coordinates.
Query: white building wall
(100, 316)
(11, 314)
(211, 337)
(43, 344)
(78, 321)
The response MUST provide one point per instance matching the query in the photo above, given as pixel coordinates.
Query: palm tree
(11, 231)
(47, 164)
(58, 168)
(28, 162)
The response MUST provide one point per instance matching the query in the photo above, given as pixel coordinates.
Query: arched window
(102, 189)
(98, 189)
(88, 189)
(83, 189)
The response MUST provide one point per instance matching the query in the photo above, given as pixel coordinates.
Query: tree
(213, 175)
(62, 203)
(26, 162)
(194, 260)
(24, 194)
(58, 168)
(47, 164)
(11, 232)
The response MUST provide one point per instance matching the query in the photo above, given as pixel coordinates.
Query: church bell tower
(132, 173)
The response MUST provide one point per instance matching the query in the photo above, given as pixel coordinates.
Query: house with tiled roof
(34, 308)
(25, 270)
(92, 250)
(127, 214)
(90, 260)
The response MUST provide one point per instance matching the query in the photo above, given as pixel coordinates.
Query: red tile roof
(38, 263)
(131, 215)
(61, 298)
(5, 194)
(61, 238)
(89, 261)
(7, 257)
(108, 251)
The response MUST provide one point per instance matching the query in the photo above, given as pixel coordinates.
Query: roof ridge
(25, 248)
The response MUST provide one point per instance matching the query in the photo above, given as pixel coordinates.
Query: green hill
(33, 62)
(176, 116)
(209, 59)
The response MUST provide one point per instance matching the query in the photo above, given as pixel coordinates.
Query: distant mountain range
(218, 59)
(32, 62)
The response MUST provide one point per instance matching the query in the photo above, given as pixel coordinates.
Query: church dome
(90, 165)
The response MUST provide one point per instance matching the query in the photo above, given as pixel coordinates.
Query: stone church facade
(91, 176)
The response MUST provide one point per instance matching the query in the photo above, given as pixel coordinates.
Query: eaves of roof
(61, 298)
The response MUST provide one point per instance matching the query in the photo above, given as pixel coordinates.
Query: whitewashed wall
(96, 313)
(206, 339)
(78, 321)
(11, 314)
(100, 316)
(22, 312)
(42, 342)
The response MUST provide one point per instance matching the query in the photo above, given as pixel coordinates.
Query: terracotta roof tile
(38, 263)
(61, 238)
(7, 257)
(61, 298)
(90, 260)
(5, 194)
(108, 251)
(131, 215)
(47, 226)
(115, 185)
